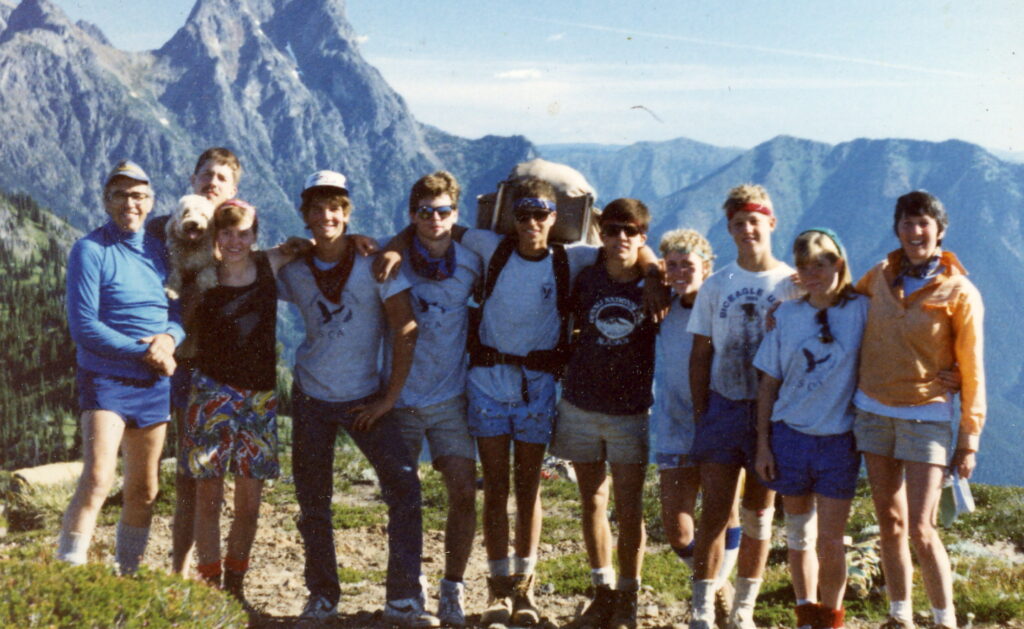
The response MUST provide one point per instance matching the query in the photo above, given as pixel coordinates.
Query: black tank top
(236, 331)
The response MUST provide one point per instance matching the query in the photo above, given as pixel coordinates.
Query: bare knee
(891, 524)
(922, 533)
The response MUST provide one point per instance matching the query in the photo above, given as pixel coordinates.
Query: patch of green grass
(556, 529)
(559, 490)
(351, 575)
(351, 517)
(568, 574)
(667, 575)
(435, 499)
(991, 590)
(999, 516)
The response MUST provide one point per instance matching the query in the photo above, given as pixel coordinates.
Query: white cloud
(362, 39)
(556, 37)
(525, 74)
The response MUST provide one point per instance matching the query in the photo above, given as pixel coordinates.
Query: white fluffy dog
(190, 243)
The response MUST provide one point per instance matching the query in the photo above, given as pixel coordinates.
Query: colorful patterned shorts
(229, 430)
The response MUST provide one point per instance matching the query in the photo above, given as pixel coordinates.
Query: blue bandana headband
(530, 202)
(832, 235)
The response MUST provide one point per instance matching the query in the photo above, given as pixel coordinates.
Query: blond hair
(688, 241)
(813, 245)
(741, 195)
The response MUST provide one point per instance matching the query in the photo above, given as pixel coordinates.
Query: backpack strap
(497, 262)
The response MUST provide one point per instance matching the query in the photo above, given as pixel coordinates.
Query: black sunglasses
(424, 212)
(608, 230)
(825, 334)
(522, 216)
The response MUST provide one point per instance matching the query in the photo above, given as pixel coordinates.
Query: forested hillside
(37, 372)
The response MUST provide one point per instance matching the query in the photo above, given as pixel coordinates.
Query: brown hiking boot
(499, 601)
(598, 612)
(723, 603)
(624, 616)
(524, 609)
(895, 623)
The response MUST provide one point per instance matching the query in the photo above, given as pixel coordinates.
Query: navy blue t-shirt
(611, 368)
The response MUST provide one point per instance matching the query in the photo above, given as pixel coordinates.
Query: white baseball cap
(325, 179)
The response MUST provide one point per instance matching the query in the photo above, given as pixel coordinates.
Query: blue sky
(727, 72)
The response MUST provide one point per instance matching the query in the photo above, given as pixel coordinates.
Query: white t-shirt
(818, 378)
(338, 361)
(672, 416)
(439, 364)
(521, 315)
(730, 309)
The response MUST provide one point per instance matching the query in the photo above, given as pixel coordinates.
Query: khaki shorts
(588, 437)
(442, 424)
(903, 439)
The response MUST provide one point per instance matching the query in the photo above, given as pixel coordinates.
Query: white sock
(805, 601)
(73, 548)
(944, 617)
(702, 606)
(498, 567)
(130, 546)
(628, 584)
(903, 610)
(602, 576)
(746, 596)
(732, 552)
(524, 565)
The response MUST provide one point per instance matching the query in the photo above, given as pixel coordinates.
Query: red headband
(750, 207)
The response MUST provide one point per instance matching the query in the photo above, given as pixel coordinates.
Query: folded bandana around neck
(531, 202)
(428, 266)
(750, 207)
(925, 270)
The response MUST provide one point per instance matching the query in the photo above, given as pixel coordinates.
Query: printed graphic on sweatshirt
(744, 312)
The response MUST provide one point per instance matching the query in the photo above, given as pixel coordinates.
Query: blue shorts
(140, 402)
(727, 433)
(669, 461)
(529, 422)
(827, 465)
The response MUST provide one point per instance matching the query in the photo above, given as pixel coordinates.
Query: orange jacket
(910, 338)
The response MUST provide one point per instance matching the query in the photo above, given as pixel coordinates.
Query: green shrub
(42, 592)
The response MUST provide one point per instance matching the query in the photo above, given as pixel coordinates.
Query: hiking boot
(319, 608)
(700, 624)
(599, 612)
(808, 616)
(723, 603)
(233, 585)
(624, 616)
(896, 623)
(409, 613)
(524, 609)
(742, 619)
(449, 604)
(831, 618)
(499, 601)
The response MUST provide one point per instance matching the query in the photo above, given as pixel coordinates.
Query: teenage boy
(602, 416)
(727, 324)
(432, 405)
(216, 176)
(338, 384)
(688, 260)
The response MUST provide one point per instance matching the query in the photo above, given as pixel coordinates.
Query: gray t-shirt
(672, 425)
(730, 309)
(818, 378)
(439, 365)
(338, 361)
(521, 314)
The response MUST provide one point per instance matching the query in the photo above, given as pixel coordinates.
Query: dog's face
(192, 220)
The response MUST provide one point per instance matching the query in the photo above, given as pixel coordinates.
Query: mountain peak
(37, 15)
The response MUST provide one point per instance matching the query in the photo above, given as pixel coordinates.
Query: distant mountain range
(279, 81)
(283, 83)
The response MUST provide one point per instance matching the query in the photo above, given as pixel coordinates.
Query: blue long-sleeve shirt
(115, 296)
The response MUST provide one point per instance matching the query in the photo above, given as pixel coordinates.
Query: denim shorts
(228, 429)
(671, 461)
(140, 402)
(442, 424)
(529, 422)
(826, 465)
(727, 433)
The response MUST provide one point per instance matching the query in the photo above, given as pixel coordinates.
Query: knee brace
(757, 524)
(802, 530)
